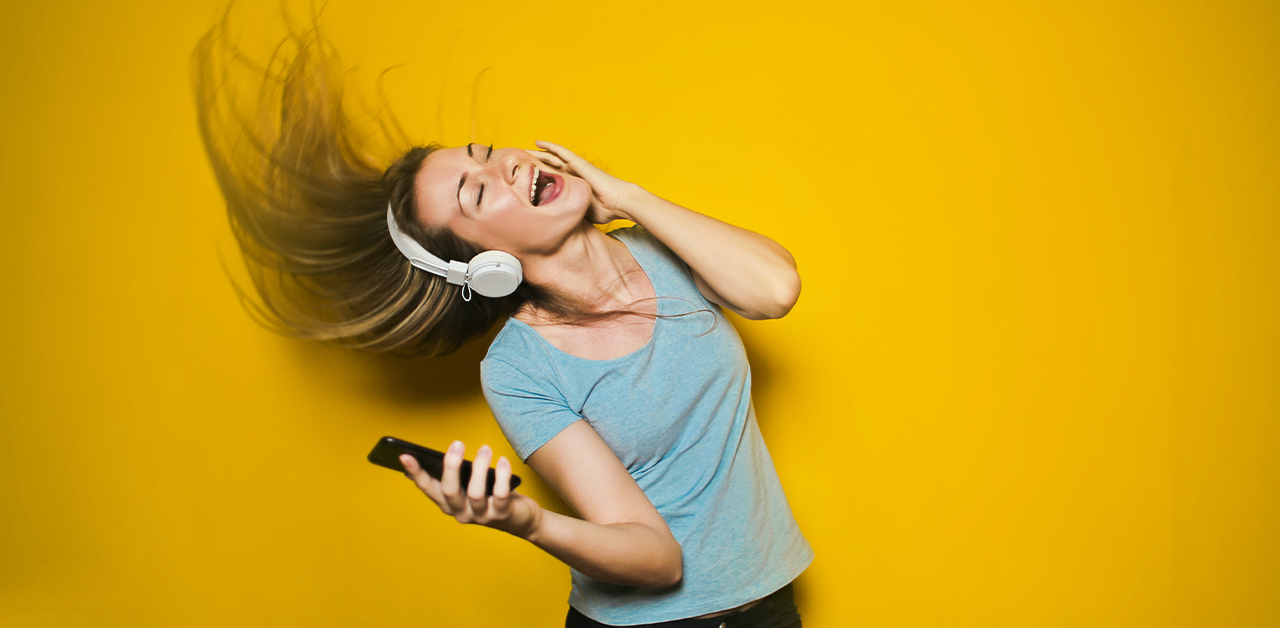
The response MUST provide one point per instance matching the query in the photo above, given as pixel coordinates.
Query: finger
(553, 163)
(449, 480)
(476, 493)
(409, 464)
(502, 484)
(553, 147)
(565, 155)
(431, 488)
(427, 484)
(547, 158)
(411, 469)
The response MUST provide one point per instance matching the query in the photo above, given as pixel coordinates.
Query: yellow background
(1032, 379)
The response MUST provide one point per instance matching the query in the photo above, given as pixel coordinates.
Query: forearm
(627, 553)
(753, 275)
(638, 550)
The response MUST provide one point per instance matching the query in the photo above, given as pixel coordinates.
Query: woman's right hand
(505, 510)
(608, 193)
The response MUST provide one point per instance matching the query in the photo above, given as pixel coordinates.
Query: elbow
(674, 572)
(651, 560)
(786, 290)
(667, 574)
(665, 567)
(657, 579)
(786, 297)
(778, 303)
(671, 580)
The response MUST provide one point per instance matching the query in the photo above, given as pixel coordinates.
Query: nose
(509, 164)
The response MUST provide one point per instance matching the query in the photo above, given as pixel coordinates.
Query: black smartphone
(389, 449)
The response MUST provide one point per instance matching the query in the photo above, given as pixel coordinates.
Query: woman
(615, 376)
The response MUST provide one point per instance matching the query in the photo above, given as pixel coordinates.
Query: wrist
(630, 201)
(531, 530)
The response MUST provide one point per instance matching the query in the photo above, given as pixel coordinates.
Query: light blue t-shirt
(678, 414)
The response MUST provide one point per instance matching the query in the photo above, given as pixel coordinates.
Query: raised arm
(734, 267)
(739, 269)
(621, 538)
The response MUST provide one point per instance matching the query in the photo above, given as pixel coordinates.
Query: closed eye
(487, 155)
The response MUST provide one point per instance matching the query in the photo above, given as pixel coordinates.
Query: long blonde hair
(307, 204)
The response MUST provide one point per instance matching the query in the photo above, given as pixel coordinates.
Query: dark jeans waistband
(777, 610)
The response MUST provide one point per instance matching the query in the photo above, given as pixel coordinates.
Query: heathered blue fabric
(678, 414)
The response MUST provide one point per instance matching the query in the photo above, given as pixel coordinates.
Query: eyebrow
(463, 180)
(460, 182)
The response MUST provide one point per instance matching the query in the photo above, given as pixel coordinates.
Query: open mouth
(543, 187)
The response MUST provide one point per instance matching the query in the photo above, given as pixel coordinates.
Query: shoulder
(637, 238)
(653, 255)
(521, 388)
(516, 350)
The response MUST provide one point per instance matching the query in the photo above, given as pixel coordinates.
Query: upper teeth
(533, 184)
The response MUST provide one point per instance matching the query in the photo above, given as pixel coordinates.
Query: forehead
(436, 186)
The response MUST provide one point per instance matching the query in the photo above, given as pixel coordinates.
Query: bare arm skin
(621, 538)
(734, 267)
(739, 269)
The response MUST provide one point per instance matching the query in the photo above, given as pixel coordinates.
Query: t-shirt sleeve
(529, 412)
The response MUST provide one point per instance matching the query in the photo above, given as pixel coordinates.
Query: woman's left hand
(608, 193)
(504, 509)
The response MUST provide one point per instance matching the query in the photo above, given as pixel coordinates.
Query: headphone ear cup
(495, 274)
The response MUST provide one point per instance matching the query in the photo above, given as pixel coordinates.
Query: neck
(590, 268)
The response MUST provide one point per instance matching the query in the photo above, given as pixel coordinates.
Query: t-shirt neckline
(653, 333)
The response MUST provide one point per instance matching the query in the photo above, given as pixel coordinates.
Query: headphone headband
(454, 272)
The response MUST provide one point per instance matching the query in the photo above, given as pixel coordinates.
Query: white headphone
(493, 274)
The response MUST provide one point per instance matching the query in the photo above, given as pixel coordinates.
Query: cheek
(576, 199)
(514, 227)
